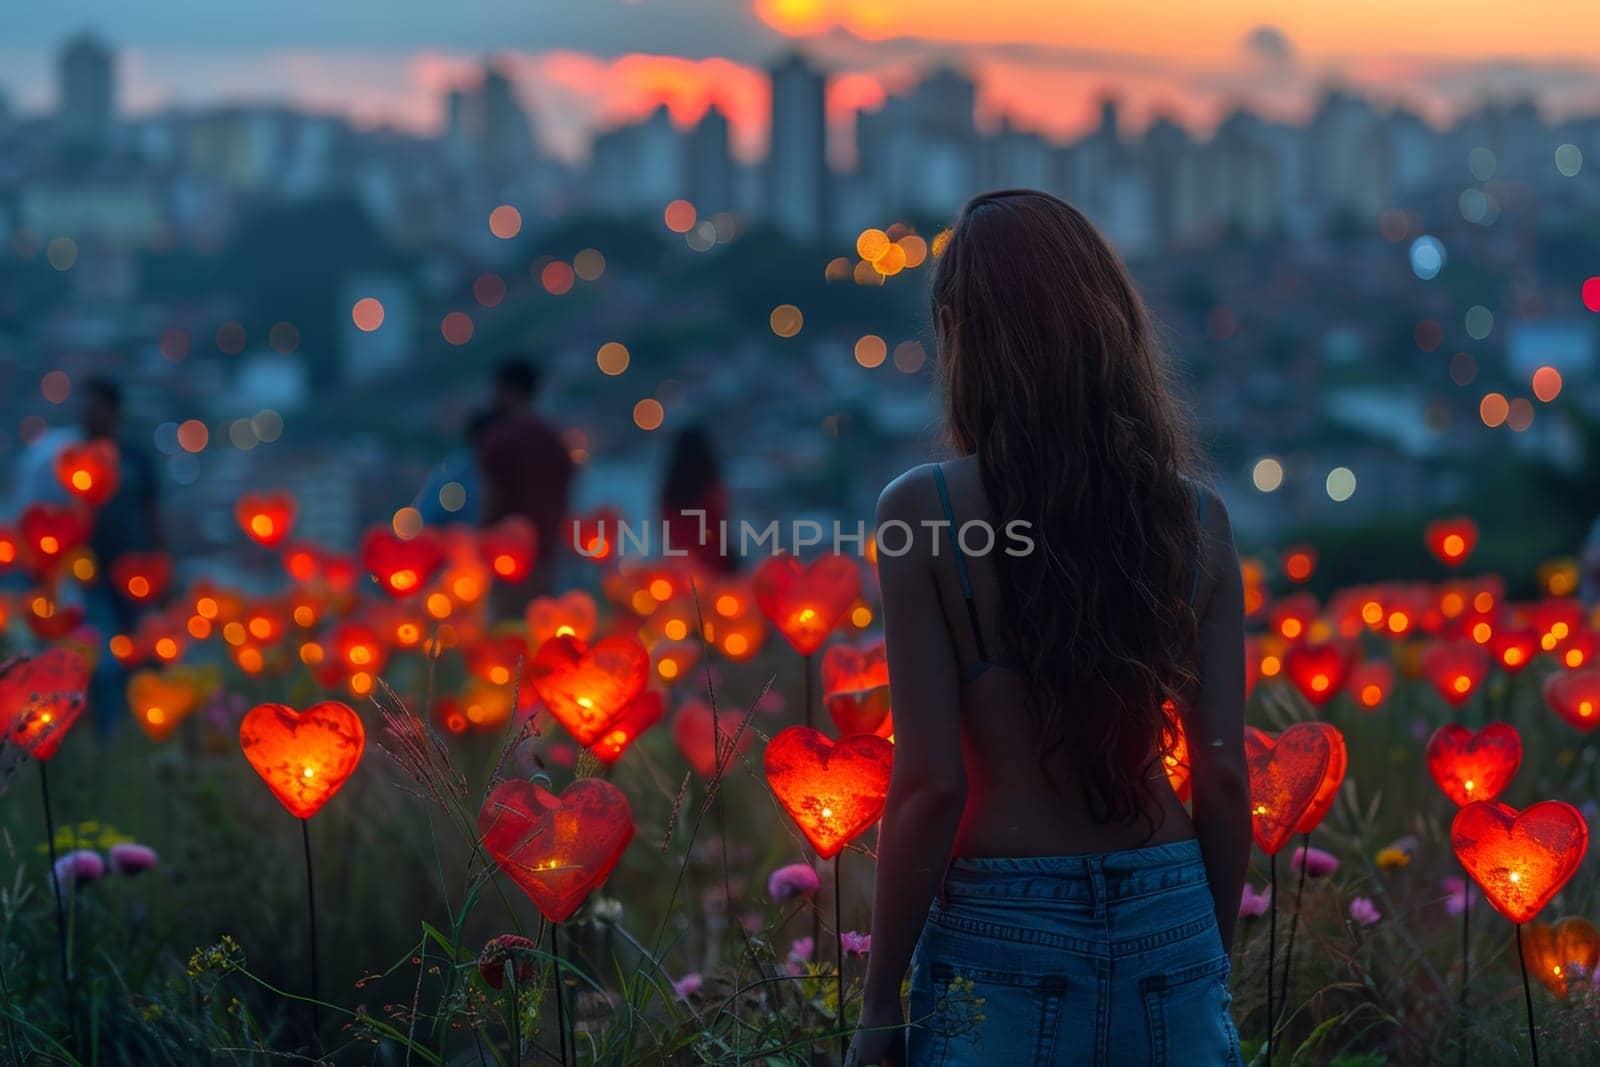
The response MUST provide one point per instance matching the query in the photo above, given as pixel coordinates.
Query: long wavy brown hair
(1053, 378)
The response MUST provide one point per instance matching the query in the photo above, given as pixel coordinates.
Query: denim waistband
(1094, 876)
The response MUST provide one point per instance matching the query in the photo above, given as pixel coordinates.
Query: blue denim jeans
(1112, 958)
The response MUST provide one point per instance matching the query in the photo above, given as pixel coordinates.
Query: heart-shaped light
(53, 531)
(90, 470)
(142, 576)
(159, 702)
(1513, 648)
(1332, 778)
(1317, 670)
(1370, 684)
(585, 688)
(1455, 669)
(40, 698)
(266, 518)
(1561, 952)
(1286, 775)
(1575, 696)
(832, 790)
(303, 756)
(496, 657)
(509, 547)
(1474, 765)
(1451, 540)
(643, 712)
(805, 603)
(695, 731)
(572, 614)
(855, 688)
(558, 849)
(401, 565)
(1520, 859)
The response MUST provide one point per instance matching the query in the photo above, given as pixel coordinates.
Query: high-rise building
(797, 164)
(509, 148)
(86, 88)
(710, 164)
(638, 168)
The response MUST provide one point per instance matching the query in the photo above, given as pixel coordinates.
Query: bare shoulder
(1219, 556)
(911, 497)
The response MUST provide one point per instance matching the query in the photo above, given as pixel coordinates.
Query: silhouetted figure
(694, 502)
(526, 468)
(461, 468)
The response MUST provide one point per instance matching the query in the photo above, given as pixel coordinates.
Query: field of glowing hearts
(361, 820)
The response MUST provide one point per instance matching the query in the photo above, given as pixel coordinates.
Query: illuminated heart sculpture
(303, 756)
(1520, 859)
(508, 548)
(558, 849)
(1514, 647)
(1370, 684)
(54, 530)
(1332, 778)
(832, 790)
(695, 730)
(1286, 775)
(805, 603)
(586, 688)
(572, 614)
(142, 576)
(159, 703)
(266, 518)
(1575, 696)
(1470, 765)
(1455, 669)
(1318, 671)
(1562, 952)
(40, 698)
(90, 470)
(629, 725)
(401, 565)
(855, 688)
(1451, 540)
(495, 658)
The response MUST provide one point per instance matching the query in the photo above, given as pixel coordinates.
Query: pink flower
(1253, 904)
(129, 858)
(1457, 899)
(79, 866)
(1317, 863)
(855, 944)
(800, 951)
(688, 985)
(1364, 911)
(795, 880)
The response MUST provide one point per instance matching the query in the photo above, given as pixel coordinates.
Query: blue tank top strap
(961, 572)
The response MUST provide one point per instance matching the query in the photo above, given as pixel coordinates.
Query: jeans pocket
(987, 1017)
(1190, 1015)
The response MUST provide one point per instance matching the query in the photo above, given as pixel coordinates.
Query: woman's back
(1017, 805)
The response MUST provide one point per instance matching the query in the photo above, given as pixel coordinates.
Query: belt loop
(1097, 885)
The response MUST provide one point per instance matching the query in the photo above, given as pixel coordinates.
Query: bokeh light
(55, 386)
(648, 414)
(871, 351)
(1546, 384)
(1493, 409)
(679, 216)
(505, 222)
(367, 314)
(612, 358)
(1267, 474)
(1341, 484)
(786, 320)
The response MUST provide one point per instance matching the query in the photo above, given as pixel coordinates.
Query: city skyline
(580, 75)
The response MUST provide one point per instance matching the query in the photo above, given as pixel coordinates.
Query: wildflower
(800, 951)
(795, 880)
(1314, 861)
(130, 858)
(1456, 899)
(222, 957)
(507, 947)
(1392, 859)
(1252, 903)
(855, 944)
(688, 985)
(79, 866)
(1364, 911)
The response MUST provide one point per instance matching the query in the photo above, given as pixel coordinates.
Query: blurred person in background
(460, 467)
(130, 521)
(694, 502)
(526, 468)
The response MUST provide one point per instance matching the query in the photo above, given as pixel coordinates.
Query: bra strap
(961, 561)
(1200, 517)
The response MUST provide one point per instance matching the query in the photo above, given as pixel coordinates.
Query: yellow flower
(1392, 859)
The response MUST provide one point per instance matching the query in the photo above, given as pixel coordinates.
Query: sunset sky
(596, 62)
